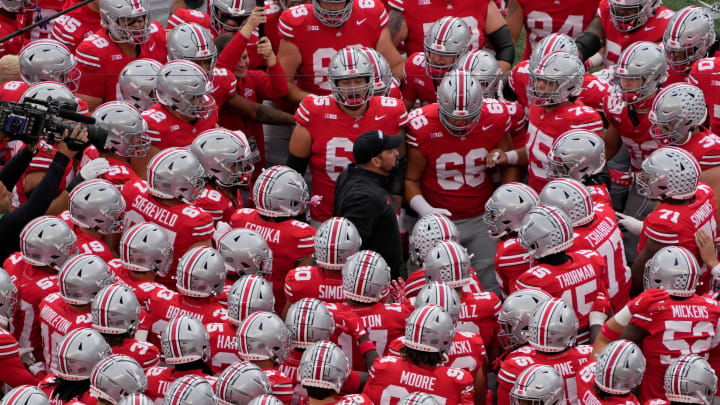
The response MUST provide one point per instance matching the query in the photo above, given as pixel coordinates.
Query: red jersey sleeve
(281, 385)
(184, 15)
(270, 85)
(90, 61)
(511, 260)
(659, 227)
(304, 111)
(14, 372)
(297, 286)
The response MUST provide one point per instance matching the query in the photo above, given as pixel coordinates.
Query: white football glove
(94, 168)
(221, 228)
(422, 207)
(629, 224)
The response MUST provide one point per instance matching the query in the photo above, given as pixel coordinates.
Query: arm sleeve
(15, 373)
(273, 84)
(11, 172)
(233, 52)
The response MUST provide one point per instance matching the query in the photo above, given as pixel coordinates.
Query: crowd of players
(561, 225)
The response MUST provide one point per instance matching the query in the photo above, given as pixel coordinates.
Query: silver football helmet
(136, 399)
(309, 321)
(201, 273)
(642, 62)
(16, 6)
(538, 384)
(239, 383)
(81, 277)
(324, 365)
(46, 91)
(332, 18)
(690, 379)
(335, 241)
(418, 398)
(554, 42)
(225, 156)
(190, 390)
(47, 60)
(429, 329)
(629, 15)
(145, 247)
(557, 78)
(442, 295)
(448, 36)
(553, 326)
(427, 231)
(117, 16)
(349, 63)
(184, 87)
(116, 377)
(247, 295)
(280, 192)
(514, 317)
(193, 43)
(176, 173)
(576, 154)
(263, 336)
(676, 111)
(265, 400)
(506, 208)
(382, 74)
(137, 82)
(619, 368)
(545, 230)
(80, 350)
(672, 268)
(448, 261)
(366, 277)
(572, 197)
(688, 37)
(245, 252)
(234, 10)
(483, 66)
(460, 100)
(185, 340)
(115, 310)
(126, 129)
(47, 241)
(668, 172)
(98, 205)
(25, 395)
(8, 297)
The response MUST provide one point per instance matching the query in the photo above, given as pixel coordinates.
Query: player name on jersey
(157, 213)
(269, 234)
(689, 311)
(601, 232)
(425, 383)
(577, 276)
(702, 213)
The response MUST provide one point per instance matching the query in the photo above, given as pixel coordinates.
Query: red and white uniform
(511, 260)
(100, 61)
(57, 318)
(14, 371)
(416, 281)
(603, 236)
(636, 138)
(349, 330)
(120, 173)
(8, 26)
(616, 41)
(384, 322)
(223, 345)
(13, 90)
(543, 18)
(546, 126)
(72, 28)
(577, 281)
(454, 176)
(217, 204)
(479, 313)
(142, 289)
(146, 353)
(393, 378)
(87, 243)
(466, 353)
(420, 16)
(567, 363)
(314, 282)
(705, 147)
(359, 399)
(224, 86)
(164, 305)
(333, 133)
(599, 193)
(289, 241)
(417, 85)
(290, 367)
(587, 395)
(281, 385)
(183, 223)
(160, 378)
(165, 130)
(704, 75)
(318, 43)
(84, 398)
(675, 328)
(671, 224)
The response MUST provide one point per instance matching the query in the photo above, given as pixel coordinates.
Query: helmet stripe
(175, 339)
(443, 226)
(455, 264)
(320, 361)
(248, 288)
(680, 21)
(366, 261)
(444, 32)
(332, 244)
(188, 268)
(567, 233)
(627, 54)
(420, 322)
(242, 333)
(104, 304)
(350, 59)
(202, 43)
(610, 368)
(461, 89)
(547, 314)
(442, 298)
(62, 363)
(269, 175)
(128, 241)
(550, 43)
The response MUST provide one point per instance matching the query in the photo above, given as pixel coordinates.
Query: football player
(329, 125)
(25, 393)
(514, 320)
(11, 12)
(675, 270)
(280, 194)
(127, 34)
(611, 379)
(137, 83)
(462, 122)
(427, 231)
(385, 84)
(689, 36)
(323, 371)
(117, 377)
(245, 252)
(689, 380)
(72, 28)
(538, 384)
(546, 233)
(703, 70)
(240, 383)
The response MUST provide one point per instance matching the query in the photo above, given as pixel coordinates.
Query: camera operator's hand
(79, 133)
(257, 17)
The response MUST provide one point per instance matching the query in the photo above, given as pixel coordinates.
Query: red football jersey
(393, 378)
(120, 173)
(84, 398)
(9, 25)
(587, 394)
(705, 147)
(100, 61)
(384, 322)
(165, 130)
(416, 281)
(676, 327)
(160, 378)
(616, 41)
(164, 305)
(73, 27)
(143, 289)
(333, 133)
(289, 241)
(273, 10)
(417, 84)
(183, 223)
(704, 75)
(314, 282)
(223, 345)
(349, 330)
(478, 314)
(466, 353)
(578, 281)
(636, 138)
(217, 204)
(603, 235)
(318, 43)
(185, 15)
(567, 363)
(146, 353)
(545, 126)
(359, 399)
(511, 260)
(87, 243)
(57, 318)
(599, 193)
(452, 180)
(13, 91)
(14, 372)
(224, 87)
(543, 18)
(420, 16)
(281, 385)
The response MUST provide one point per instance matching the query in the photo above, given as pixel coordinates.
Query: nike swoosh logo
(358, 22)
(648, 28)
(152, 47)
(485, 128)
(558, 118)
(379, 117)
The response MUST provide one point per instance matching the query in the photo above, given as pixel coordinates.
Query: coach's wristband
(512, 157)
(366, 346)
(609, 333)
